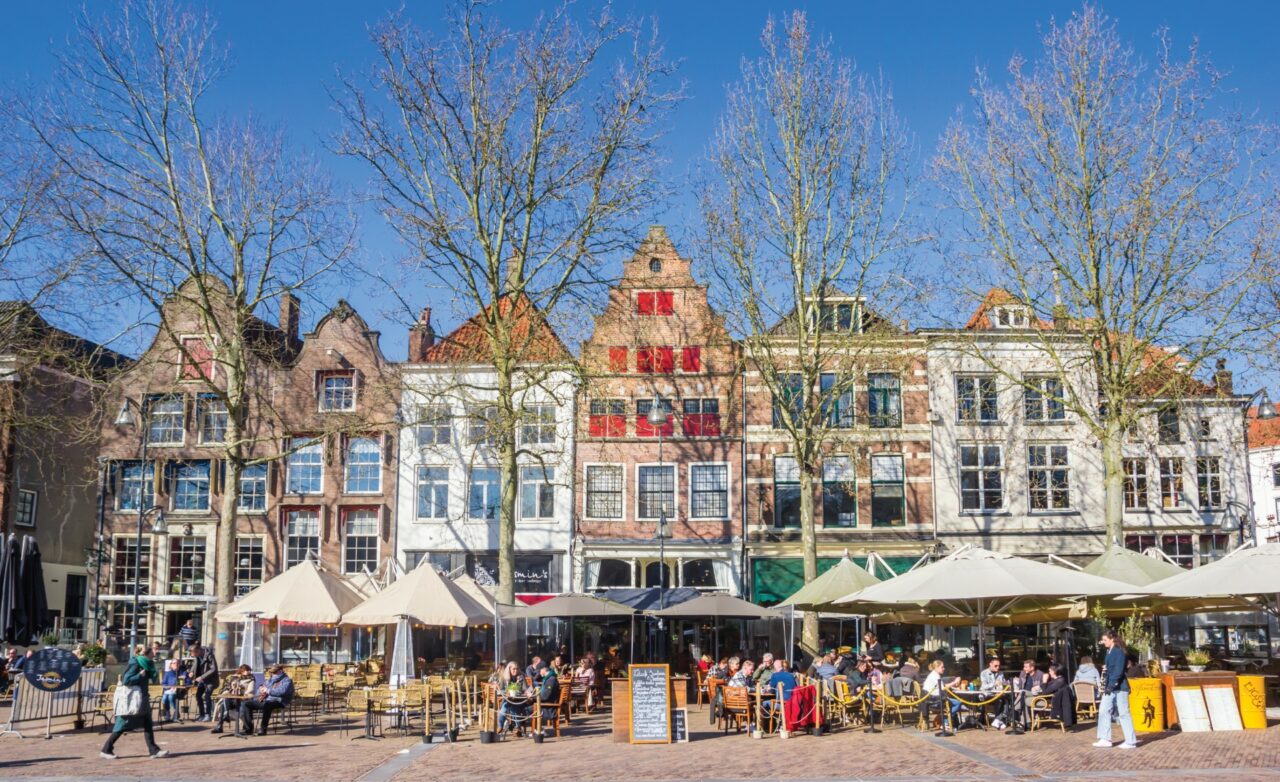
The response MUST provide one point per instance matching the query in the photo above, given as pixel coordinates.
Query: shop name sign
(52, 670)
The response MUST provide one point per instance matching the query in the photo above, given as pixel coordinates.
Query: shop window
(186, 566)
(1213, 547)
(698, 574)
(888, 491)
(128, 568)
(610, 573)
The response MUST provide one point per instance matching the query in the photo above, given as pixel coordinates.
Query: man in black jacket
(204, 672)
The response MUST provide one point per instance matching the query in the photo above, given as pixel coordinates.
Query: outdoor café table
(234, 714)
(520, 714)
(978, 699)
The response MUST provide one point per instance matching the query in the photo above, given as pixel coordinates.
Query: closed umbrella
(34, 602)
(1252, 573)
(8, 587)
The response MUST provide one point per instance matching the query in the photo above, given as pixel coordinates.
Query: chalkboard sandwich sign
(650, 703)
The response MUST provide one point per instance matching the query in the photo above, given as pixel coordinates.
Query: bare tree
(510, 163)
(805, 212)
(204, 220)
(1127, 207)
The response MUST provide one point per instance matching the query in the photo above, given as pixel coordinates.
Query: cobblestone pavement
(586, 752)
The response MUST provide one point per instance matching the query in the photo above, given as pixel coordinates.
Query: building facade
(659, 345)
(449, 479)
(1264, 477)
(320, 484)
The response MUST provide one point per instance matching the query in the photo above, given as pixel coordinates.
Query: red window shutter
(643, 427)
(197, 362)
(617, 426)
(617, 359)
(645, 302)
(596, 426)
(666, 303)
(692, 424)
(691, 359)
(644, 359)
(711, 424)
(665, 360)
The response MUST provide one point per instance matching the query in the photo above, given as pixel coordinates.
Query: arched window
(698, 573)
(655, 573)
(612, 573)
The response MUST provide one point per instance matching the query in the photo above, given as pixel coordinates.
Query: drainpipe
(742, 485)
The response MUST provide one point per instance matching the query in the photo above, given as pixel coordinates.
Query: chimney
(421, 336)
(1060, 319)
(1222, 380)
(290, 315)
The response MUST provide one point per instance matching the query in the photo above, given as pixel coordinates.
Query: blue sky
(285, 52)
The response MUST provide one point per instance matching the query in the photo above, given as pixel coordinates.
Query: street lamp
(657, 417)
(126, 418)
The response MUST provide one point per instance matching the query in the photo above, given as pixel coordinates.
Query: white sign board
(1224, 713)
(1193, 716)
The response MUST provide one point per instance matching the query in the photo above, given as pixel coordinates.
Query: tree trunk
(1113, 483)
(809, 546)
(507, 473)
(224, 568)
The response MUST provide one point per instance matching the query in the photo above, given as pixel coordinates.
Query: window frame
(421, 478)
(538, 418)
(290, 465)
(26, 508)
(900, 484)
(173, 479)
(348, 464)
(247, 584)
(611, 421)
(181, 414)
(790, 383)
(492, 498)
(263, 479)
(693, 491)
(839, 411)
(1168, 426)
(541, 487)
(1136, 485)
(436, 418)
(344, 519)
(205, 413)
(147, 488)
(790, 486)
(481, 428)
(673, 469)
(850, 494)
(982, 469)
(179, 573)
(141, 573)
(587, 490)
(287, 537)
(979, 399)
(893, 394)
(1173, 489)
(1209, 482)
(1049, 408)
(700, 421)
(189, 368)
(324, 395)
(1048, 468)
(646, 429)
(1184, 559)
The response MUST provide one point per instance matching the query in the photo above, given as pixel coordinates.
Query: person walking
(188, 637)
(140, 673)
(1115, 694)
(204, 672)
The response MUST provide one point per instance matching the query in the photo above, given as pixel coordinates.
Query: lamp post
(658, 417)
(126, 418)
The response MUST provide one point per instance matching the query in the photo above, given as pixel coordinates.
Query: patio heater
(251, 643)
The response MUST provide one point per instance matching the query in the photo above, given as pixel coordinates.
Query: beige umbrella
(1133, 567)
(478, 593)
(571, 604)
(718, 606)
(423, 596)
(305, 593)
(843, 578)
(1245, 573)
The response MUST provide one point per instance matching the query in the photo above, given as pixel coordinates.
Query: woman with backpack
(140, 675)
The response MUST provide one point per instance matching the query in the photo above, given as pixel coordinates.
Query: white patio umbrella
(973, 586)
(306, 593)
(1245, 573)
(425, 597)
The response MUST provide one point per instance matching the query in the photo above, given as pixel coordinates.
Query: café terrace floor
(586, 752)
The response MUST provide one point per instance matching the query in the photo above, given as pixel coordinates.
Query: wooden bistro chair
(1086, 700)
(713, 686)
(850, 707)
(1039, 707)
(557, 712)
(737, 709)
(700, 681)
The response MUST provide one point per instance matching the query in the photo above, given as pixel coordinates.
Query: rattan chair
(1040, 709)
(1086, 700)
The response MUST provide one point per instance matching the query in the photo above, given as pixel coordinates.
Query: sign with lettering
(650, 704)
(52, 670)
(680, 726)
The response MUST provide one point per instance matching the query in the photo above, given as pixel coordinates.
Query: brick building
(875, 492)
(658, 341)
(318, 419)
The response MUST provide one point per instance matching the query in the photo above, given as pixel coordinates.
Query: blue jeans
(1119, 702)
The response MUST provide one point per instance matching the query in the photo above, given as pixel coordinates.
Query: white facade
(448, 482)
(1264, 471)
(1021, 476)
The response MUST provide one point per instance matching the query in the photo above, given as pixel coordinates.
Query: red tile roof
(532, 338)
(1263, 434)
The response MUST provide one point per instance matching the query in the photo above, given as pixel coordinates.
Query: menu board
(1193, 715)
(680, 726)
(650, 704)
(1224, 714)
(52, 669)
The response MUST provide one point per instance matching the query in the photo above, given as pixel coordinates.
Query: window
(835, 394)
(888, 491)
(1171, 483)
(659, 359)
(1204, 429)
(1179, 549)
(1011, 317)
(981, 478)
(839, 493)
(976, 399)
(617, 359)
(786, 492)
(305, 466)
(126, 569)
(1042, 399)
(655, 265)
(301, 536)
(25, 514)
(360, 540)
(1275, 476)
(364, 466)
(657, 574)
(482, 425)
(709, 491)
(338, 391)
(249, 562)
(608, 418)
(655, 302)
(1209, 482)
(1135, 484)
(190, 485)
(484, 494)
(691, 359)
(186, 566)
(136, 490)
(609, 573)
(698, 574)
(197, 359)
(701, 417)
(604, 491)
(165, 420)
(433, 492)
(537, 492)
(836, 317)
(538, 425)
(884, 400)
(646, 429)
(253, 489)
(1167, 426)
(435, 425)
(1139, 543)
(790, 397)
(656, 491)
(211, 418)
(1048, 477)
(1213, 547)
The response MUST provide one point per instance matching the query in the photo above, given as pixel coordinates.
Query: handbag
(127, 701)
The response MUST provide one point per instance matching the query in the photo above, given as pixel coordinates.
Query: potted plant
(50, 639)
(94, 655)
(1197, 659)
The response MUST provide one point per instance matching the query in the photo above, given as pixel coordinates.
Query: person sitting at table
(558, 664)
(1088, 672)
(585, 675)
(991, 678)
(234, 687)
(1063, 706)
(549, 692)
(933, 688)
(275, 694)
(871, 647)
(513, 708)
(531, 672)
(175, 681)
(765, 670)
(1030, 679)
(745, 676)
(705, 662)
(824, 668)
(783, 679)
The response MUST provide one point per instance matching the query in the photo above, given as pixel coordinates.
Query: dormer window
(838, 317)
(337, 391)
(1010, 317)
